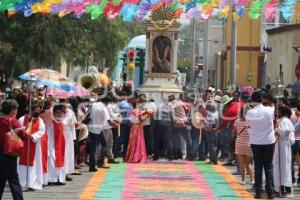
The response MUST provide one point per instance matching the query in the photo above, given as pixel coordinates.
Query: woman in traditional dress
(136, 151)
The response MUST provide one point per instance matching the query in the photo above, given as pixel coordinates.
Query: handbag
(12, 143)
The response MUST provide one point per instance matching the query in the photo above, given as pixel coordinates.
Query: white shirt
(260, 120)
(69, 123)
(146, 106)
(99, 117)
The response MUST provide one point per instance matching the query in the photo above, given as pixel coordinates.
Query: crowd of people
(252, 130)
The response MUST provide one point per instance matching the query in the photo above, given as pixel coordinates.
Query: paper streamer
(271, 10)
(288, 9)
(256, 7)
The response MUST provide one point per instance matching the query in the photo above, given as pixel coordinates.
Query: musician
(32, 152)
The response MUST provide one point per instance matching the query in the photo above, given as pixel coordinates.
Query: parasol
(58, 84)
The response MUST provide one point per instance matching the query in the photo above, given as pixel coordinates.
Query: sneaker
(243, 182)
(250, 182)
(69, 178)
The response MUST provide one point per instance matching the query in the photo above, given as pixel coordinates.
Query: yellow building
(297, 13)
(249, 58)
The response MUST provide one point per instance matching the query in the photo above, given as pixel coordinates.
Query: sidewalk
(248, 187)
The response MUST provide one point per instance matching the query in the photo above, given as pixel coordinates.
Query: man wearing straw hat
(228, 117)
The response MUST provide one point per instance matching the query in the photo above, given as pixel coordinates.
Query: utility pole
(192, 83)
(233, 53)
(205, 53)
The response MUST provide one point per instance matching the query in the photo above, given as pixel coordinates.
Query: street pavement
(151, 180)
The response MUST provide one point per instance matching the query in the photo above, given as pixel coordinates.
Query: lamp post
(277, 91)
(31, 84)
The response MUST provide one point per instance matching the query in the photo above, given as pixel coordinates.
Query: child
(57, 171)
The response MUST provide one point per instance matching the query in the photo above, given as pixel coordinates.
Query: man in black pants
(163, 130)
(262, 138)
(99, 115)
(144, 104)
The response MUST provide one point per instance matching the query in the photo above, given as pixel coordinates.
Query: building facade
(283, 58)
(249, 58)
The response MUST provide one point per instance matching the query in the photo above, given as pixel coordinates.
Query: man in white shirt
(262, 139)
(145, 104)
(99, 115)
(107, 127)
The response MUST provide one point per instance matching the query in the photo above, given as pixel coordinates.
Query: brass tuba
(90, 80)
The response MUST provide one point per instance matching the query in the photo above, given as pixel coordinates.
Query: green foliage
(44, 41)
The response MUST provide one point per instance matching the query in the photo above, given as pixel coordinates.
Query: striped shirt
(242, 146)
(297, 131)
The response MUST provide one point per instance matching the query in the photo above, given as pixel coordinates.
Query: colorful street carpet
(164, 180)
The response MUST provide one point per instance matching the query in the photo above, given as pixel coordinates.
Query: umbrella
(58, 84)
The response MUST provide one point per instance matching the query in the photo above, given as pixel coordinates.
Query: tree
(45, 40)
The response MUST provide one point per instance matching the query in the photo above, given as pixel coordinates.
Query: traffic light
(131, 57)
(140, 62)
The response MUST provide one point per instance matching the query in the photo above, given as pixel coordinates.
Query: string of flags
(140, 10)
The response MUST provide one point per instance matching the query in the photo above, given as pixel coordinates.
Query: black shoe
(214, 163)
(104, 166)
(59, 183)
(76, 173)
(228, 164)
(51, 183)
(31, 190)
(93, 170)
(270, 196)
(258, 196)
(113, 161)
(68, 178)
(155, 158)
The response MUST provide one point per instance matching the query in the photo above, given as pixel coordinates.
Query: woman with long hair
(8, 166)
(243, 149)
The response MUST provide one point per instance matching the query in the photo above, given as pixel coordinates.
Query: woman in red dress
(136, 151)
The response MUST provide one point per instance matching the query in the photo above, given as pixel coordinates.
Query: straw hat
(225, 100)
(198, 120)
(83, 133)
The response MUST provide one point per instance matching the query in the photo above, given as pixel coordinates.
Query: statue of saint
(161, 55)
